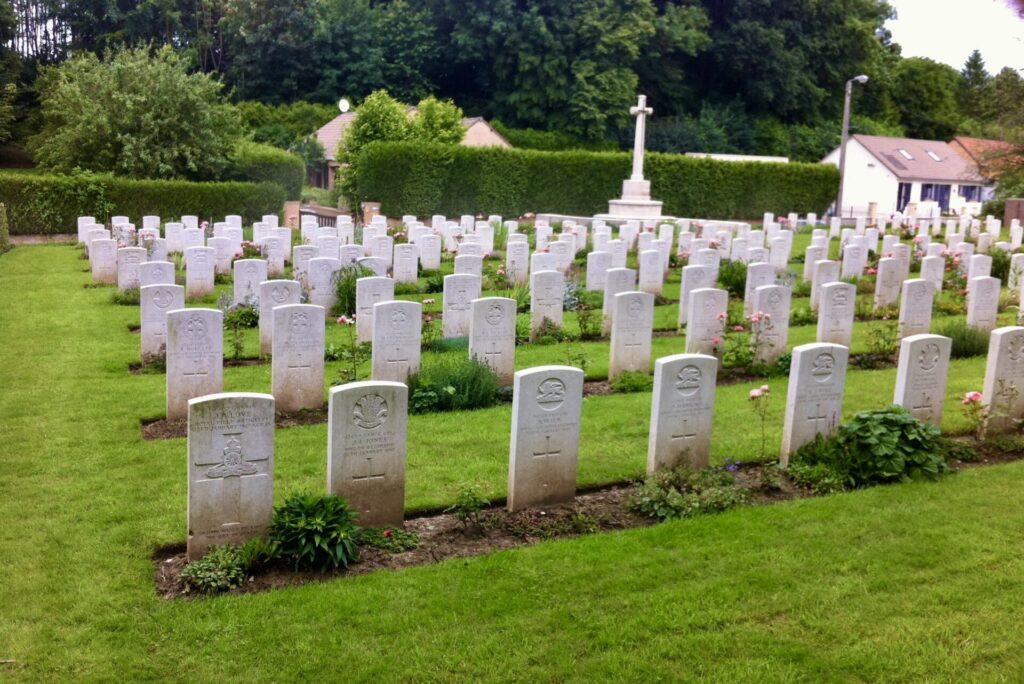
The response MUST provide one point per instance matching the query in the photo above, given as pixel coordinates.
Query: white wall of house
(867, 180)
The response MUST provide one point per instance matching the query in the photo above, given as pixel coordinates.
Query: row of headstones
(294, 335)
(231, 436)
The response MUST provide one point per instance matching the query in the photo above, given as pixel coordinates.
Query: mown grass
(905, 583)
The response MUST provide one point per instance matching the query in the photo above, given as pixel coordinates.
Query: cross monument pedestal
(636, 202)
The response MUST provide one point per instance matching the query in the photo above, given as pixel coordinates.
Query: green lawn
(903, 583)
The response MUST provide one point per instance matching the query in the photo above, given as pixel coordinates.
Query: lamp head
(863, 78)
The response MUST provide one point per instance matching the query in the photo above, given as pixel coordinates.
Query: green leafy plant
(345, 288)
(577, 357)
(818, 478)
(390, 539)
(550, 332)
(452, 382)
(631, 381)
(469, 504)
(315, 531)
(873, 447)
(732, 276)
(129, 297)
(684, 492)
(220, 570)
(967, 341)
(353, 352)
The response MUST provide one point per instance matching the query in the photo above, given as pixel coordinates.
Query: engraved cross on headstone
(396, 358)
(925, 405)
(369, 474)
(197, 367)
(548, 451)
(817, 417)
(230, 472)
(685, 433)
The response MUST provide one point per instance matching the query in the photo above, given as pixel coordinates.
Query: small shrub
(225, 567)
(129, 297)
(967, 341)
(243, 315)
(452, 382)
(819, 478)
(802, 315)
(732, 276)
(631, 381)
(221, 569)
(449, 344)
(434, 283)
(315, 531)
(407, 289)
(684, 492)
(390, 539)
(577, 357)
(551, 333)
(469, 503)
(873, 447)
(345, 288)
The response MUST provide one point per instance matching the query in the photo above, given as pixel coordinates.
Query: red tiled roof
(917, 164)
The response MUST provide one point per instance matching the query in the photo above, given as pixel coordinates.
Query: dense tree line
(761, 76)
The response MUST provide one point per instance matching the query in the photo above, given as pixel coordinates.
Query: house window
(971, 193)
(906, 155)
(903, 196)
(934, 156)
(937, 193)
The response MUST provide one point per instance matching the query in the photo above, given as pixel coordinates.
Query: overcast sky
(948, 30)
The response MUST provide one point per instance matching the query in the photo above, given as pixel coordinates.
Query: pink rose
(972, 397)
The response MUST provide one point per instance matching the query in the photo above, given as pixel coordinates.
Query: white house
(897, 172)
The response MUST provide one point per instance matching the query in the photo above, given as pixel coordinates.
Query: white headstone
(195, 357)
(632, 325)
(157, 273)
(757, 275)
(129, 260)
(492, 335)
(517, 262)
(154, 303)
(547, 290)
(835, 313)
(297, 374)
(916, 307)
(933, 269)
(617, 280)
(887, 283)
(430, 252)
(1003, 392)
(230, 469)
(814, 400)
(321, 276)
(682, 411)
(459, 292)
(469, 264)
(366, 447)
(272, 294)
(650, 270)
(369, 292)
(921, 376)
(546, 407)
(406, 263)
(103, 260)
(198, 271)
(397, 334)
(770, 321)
(983, 302)
(598, 264)
(705, 321)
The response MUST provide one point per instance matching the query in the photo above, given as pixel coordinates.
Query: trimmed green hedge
(426, 178)
(256, 163)
(39, 203)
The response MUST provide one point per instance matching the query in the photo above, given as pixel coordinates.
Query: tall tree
(927, 98)
(680, 31)
(972, 87)
(787, 58)
(268, 46)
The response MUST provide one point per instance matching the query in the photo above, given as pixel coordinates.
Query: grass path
(913, 582)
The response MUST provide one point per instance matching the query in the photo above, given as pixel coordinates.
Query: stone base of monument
(633, 209)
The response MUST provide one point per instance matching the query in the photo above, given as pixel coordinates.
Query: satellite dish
(344, 105)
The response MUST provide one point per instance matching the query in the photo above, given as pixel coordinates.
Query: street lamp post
(846, 135)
